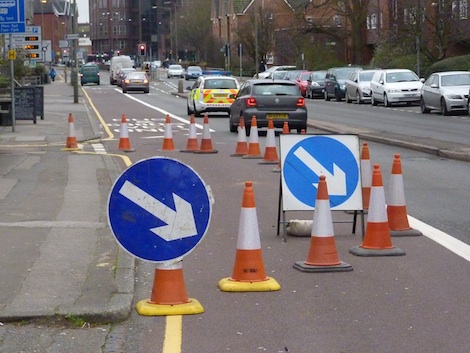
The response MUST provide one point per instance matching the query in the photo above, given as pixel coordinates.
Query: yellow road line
(100, 118)
(173, 334)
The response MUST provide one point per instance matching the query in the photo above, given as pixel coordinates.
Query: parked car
(278, 75)
(316, 84)
(395, 86)
(175, 70)
(266, 73)
(446, 92)
(357, 86)
(122, 74)
(136, 81)
(89, 73)
(334, 81)
(301, 81)
(192, 73)
(264, 99)
(211, 94)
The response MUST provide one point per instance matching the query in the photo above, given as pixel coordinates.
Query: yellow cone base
(145, 308)
(229, 285)
(342, 267)
(360, 251)
(405, 233)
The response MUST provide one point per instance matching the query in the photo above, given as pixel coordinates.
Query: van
(117, 63)
(89, 73)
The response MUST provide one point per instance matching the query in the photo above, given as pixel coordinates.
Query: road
(407, 304)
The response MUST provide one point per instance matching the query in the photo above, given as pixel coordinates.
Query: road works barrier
(248, 273)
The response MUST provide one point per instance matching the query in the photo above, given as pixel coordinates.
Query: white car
(268, 72)
(357, 86)
(395, 86)
(175, 70)
(446, 92)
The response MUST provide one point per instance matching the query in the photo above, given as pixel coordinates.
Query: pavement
(58, 255)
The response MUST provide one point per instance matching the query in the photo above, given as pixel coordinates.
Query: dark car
(136, 81)
(316, 84)
(192, 73)
(335, 81)
(277, 99)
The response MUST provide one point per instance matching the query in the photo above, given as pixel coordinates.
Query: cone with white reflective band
(248, 273)
(377, 240)
(168, 143)
(206, 141)
(254, 150)
(191, 144)
(396, 204)
(270, 152)
(242, 145)
(366, 175)
(285, 128)
(124, 142)
(169, 296)
(71, 142)
(322, 255)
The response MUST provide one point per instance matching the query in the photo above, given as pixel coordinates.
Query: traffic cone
(168, 143)
(71, 142)
(242, 146)
(285, 128)
(191, 144)
(396, 205)
(254, 150)
(124, 142)
(366, 175)
(206, 141)
(270, 152)
(169, 295)
(322, 255)
(377, 240)
(248, 271)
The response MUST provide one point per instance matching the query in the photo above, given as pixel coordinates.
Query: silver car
(446, 92)
(175, 70)
(357, 86)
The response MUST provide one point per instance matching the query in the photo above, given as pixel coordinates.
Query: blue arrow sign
(12, 16)
(159, 209)
(317, 155)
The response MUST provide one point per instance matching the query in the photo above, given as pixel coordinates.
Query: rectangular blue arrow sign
(12, 16)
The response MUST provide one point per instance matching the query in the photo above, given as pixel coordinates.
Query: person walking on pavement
(52, 73)
(262, 66)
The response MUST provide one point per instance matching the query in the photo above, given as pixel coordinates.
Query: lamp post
(42, 29)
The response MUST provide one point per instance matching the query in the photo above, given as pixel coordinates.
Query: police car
(212, 94)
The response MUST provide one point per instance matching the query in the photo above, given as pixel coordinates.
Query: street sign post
(12, 16)
(159, 209)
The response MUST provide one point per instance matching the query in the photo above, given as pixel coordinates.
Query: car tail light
(146, 81)
(301, 102)
(251, 102)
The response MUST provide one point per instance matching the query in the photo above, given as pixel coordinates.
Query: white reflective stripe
(377, 208)
(366, 173)
(248, 231)
(254, 135)
(396, 193)
(170, 266)
(206, 132)
(124, 131)
(322, 221)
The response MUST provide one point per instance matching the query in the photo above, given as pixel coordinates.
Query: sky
(83, 15)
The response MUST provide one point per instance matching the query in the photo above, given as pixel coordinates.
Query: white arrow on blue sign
(159, 209)
(305, 157)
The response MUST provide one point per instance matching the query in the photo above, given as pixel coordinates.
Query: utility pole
(75, 48)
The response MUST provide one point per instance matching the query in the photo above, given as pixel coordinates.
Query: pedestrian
(52, 73)
(262, 66)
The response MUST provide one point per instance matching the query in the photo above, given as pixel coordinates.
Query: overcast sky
(83, 15)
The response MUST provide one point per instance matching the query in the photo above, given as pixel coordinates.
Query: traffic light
(142, 49)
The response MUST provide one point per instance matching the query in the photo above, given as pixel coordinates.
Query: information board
(25, 103)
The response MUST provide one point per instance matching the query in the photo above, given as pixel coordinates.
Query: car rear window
(275, 90)
(220, 84)
(90, 69)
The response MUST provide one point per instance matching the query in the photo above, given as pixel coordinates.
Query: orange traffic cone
(206, 141)
(248, 271)
(124, 142)
(270, 152)
(191, 144)
(366, 175)
(377, 240)
(71, 138)
(396, 205)
(169, 295)
(168, 143)
(285, 128)
(254, 150)
(242, 146)
(322, 255)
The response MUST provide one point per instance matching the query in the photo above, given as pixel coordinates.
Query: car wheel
(424, 109)
(444, 109)
(232, 126)
(372, 100)
(346, 97)
(196, 113)
(337, 97)
(358, 97)
(327, 97)
(124, 91)
(146, 91)
(386, 102)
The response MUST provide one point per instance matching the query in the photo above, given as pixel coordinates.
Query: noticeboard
(25, 103)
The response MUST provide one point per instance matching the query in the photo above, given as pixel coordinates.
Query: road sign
(12, 16)
(159, 209)
(72, 36)
(305, 157)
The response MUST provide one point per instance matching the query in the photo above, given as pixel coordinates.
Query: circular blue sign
(159, 209)
(317, 155)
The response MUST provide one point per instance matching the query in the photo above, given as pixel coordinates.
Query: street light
(42, 29)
